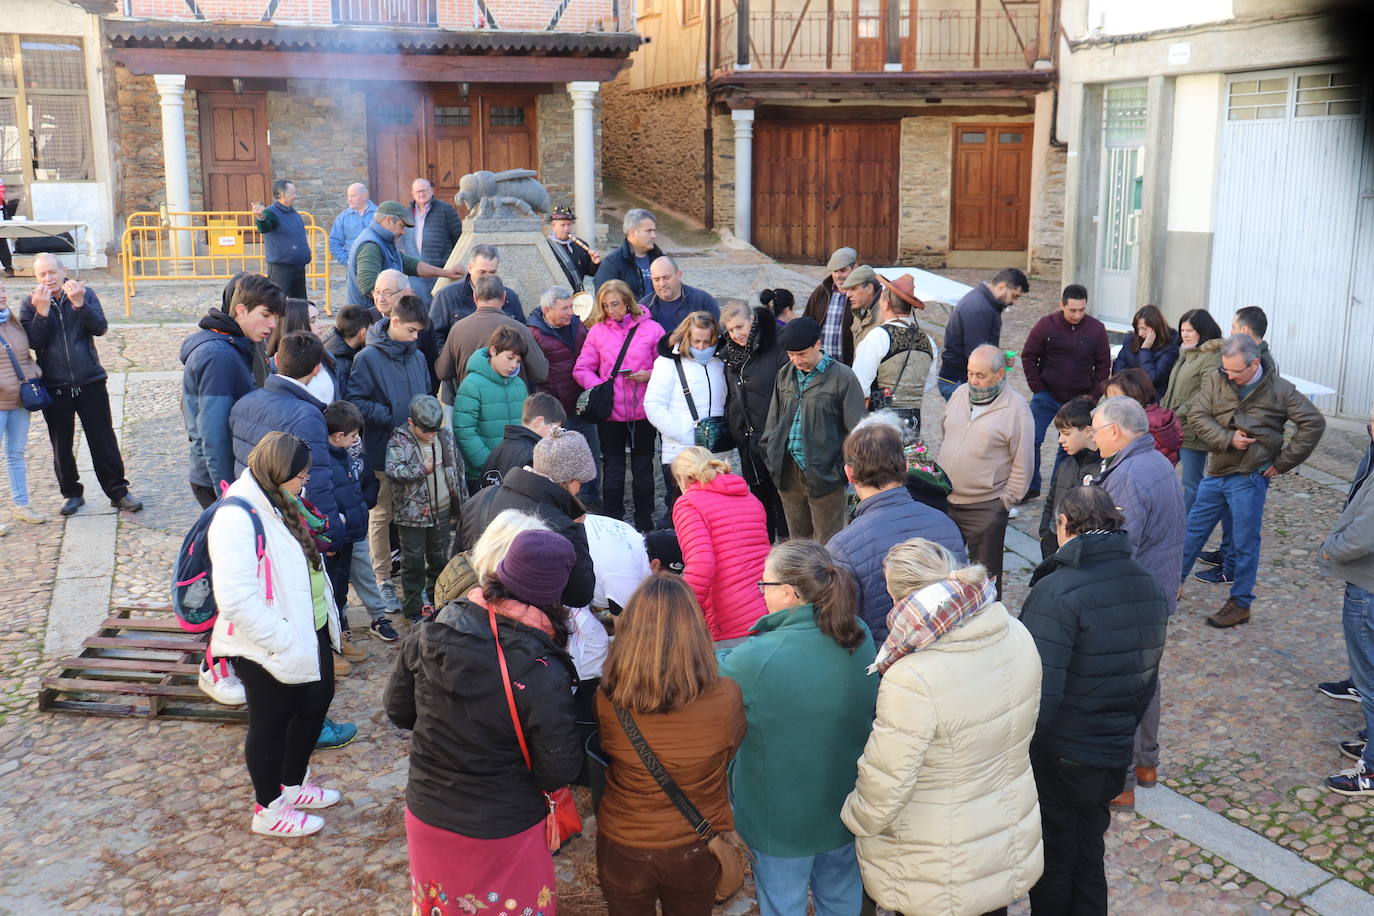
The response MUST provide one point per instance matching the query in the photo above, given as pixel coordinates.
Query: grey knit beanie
(563, 456)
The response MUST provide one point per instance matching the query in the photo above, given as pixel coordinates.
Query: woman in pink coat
(614, 316)
(723, 531)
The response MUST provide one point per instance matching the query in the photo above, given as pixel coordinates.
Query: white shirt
(868, 356)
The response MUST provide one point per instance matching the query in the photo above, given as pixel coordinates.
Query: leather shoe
(70, 506)
(1146, 777)
(1230, 615)
(127, 503)
(1126, 800)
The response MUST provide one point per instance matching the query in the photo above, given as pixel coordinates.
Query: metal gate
(1123, 176)
(1288, 226)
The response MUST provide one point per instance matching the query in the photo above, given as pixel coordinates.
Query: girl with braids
(474, 800)
(809, 700)
(278, 625)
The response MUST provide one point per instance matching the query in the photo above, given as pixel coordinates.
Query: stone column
(583, 94)
(744, 172)
(171, 88)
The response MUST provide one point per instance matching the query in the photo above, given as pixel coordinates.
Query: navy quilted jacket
(348, 493)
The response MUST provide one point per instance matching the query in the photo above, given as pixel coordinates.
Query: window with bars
(507, 116)
(1324, 94)
(45, 126)
(1257, 99)
(1123, 115)
(452, 115)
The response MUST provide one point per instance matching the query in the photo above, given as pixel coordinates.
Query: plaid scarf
(922, 617)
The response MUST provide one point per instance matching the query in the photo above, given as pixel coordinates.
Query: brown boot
(350, 651)
(1230, 615)
(1125, 801)
(1146, 777)
(341, 666)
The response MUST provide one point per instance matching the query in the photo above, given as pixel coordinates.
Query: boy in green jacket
(491, 397)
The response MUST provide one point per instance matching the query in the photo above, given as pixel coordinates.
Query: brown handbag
(725, 846)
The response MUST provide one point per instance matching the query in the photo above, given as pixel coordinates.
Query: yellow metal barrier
(158, 245)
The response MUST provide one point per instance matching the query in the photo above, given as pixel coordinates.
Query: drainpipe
(708, 135)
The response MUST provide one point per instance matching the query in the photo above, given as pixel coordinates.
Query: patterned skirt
(452, 874)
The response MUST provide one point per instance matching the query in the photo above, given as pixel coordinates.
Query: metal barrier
(160, 245)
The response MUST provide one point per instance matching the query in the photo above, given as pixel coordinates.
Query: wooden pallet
(139, 663)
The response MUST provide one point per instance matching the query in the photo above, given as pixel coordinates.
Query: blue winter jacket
(64, 342)
(1143, 483)
(288, 243)
(373, 234)
(670, 314)
(880, 523)
(343, 355)
(283, 405)
(219, 371)
(348, 491)
(976, 320)
(385, 376)
(1157, 362)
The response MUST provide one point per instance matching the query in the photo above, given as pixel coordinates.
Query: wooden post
(742, 36)
(829, 34)
(1044, 39)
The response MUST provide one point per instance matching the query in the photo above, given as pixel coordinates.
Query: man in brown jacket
(828, 304)
(1240, 414)
(987, 451)
(470, 334)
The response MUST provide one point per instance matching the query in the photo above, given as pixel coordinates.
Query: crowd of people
(802, 639)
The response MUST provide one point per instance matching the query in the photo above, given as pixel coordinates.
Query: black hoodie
(467, 773)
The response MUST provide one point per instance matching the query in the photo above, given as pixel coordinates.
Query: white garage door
(1295, 164)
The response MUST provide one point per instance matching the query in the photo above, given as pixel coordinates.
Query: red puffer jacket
(1167, 430)
(724, 537)
(561, 357)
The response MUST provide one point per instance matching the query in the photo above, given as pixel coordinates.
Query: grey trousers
(816, 517)
(1147, 737)
(984, 527)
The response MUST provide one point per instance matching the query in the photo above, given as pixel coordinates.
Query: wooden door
(507, 139)
(235, 160)
(396, 129)
(818, 187)
(862, 184)
(871, 31)
(451, 122)
(990, 210)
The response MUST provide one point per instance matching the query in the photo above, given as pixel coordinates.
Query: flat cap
(862, 275)
(842, 257)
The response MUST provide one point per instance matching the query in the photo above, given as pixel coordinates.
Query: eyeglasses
(390, 292)
(762, 585)
(1098, 429)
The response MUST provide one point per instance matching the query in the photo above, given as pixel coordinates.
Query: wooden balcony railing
(859, 41)
(503, 15)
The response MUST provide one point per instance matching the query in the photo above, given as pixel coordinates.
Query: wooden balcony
(481, 15)
(878, 35)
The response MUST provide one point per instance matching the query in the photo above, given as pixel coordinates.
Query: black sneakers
(1357, 780)
(1340, 690)
(1216, 576)
(1210, 557)
(383, 630)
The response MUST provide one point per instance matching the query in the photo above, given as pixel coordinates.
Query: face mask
(703, 356)
(4, 315)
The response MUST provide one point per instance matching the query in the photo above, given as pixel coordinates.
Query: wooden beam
(782, 112)
(469, 68)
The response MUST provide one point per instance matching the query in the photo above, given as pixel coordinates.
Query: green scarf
(980, 397)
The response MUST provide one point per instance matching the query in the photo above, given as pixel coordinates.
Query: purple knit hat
(536, 568)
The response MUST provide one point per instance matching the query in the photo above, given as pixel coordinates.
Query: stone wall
(554, 126)
(319, 141)
(1047, 224)
(923, 228)
(136, 146)
(723, 128)
(655, 147)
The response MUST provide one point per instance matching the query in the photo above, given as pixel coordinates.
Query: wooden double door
(818, 187)
(990, 209)
(442, 134)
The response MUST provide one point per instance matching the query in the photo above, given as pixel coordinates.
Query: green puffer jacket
(1184, 381)
(411, 496)
(486, 403)
(1218, 411)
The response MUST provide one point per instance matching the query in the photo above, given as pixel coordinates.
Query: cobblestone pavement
(108, 816)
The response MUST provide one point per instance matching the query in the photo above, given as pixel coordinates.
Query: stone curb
(1282, 869)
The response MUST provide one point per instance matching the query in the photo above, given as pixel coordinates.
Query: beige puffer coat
(945, 810)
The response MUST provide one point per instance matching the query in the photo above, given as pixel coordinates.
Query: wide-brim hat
(904, 287)
(562, 213)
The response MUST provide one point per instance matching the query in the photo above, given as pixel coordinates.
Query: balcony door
(871, 30)
(441, 134)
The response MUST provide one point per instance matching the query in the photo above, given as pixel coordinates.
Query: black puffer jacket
(751, 373)
(467, 774)
(343, 355)
(1099, 620)
(524, 489)
(64, 342)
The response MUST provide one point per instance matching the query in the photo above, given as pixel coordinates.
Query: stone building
(916, 133)
(1223, 158)
(211, 100)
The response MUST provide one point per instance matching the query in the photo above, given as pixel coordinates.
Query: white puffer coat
(665, 405)
(945, 809)
(279, 633)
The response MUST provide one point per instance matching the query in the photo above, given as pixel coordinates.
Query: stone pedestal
(528, 265)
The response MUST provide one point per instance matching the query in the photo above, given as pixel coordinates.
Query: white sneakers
(280, 819)
(221, 684)
(286, 816)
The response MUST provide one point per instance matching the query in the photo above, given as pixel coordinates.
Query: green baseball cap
(398, 210)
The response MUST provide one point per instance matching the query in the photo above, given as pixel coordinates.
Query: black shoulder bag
(726, 848)
(596, 403)
(712, 433)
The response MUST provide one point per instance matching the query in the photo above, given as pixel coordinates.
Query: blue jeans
(1043, 407)
(14, 426)
(1242, 496)
(591, 489)
(364, 582)
(1358, 620)
(833, 877)
(946, 388)
(1194, 462)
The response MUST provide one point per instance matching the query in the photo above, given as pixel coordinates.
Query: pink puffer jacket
(724, 537)
(598, 355)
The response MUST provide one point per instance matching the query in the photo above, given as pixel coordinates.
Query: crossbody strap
(510, 695)
(665, 782)
(686, 391)
(14, 360)
(623, 347)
